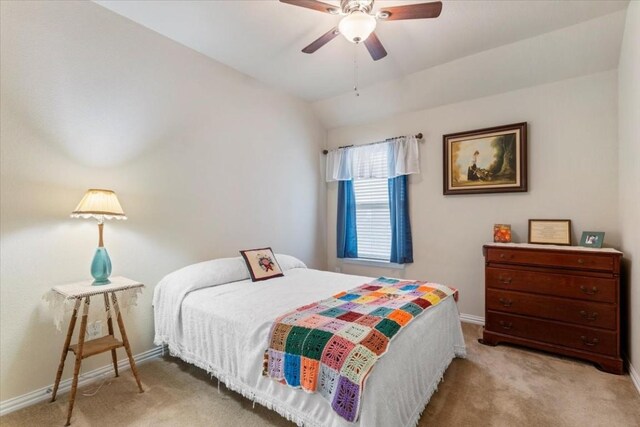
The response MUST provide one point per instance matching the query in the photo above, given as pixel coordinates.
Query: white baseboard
(36, 396)
(470, 318)
(635, 377)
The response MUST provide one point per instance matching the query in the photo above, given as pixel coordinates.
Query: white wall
(205, 161)
(572, 174)
(586, 48)
(629, 170)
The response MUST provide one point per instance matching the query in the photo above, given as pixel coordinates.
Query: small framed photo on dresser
(550, 231)
(592, 239)
(502, 233)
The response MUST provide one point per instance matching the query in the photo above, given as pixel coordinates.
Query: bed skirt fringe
(458, 352)
(291, 415)
(235, 385)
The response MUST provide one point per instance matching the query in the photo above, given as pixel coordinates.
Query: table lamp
(101, 205)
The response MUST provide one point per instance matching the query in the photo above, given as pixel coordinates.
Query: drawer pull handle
(590, 317)
(506, 256)
(506, 325)
(590, 343)
(580, 261)
(591, 291)
(505, 281)
(506, 302)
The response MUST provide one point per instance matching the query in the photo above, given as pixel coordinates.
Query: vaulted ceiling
(263, 39)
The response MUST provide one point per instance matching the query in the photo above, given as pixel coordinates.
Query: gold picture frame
(550, 231)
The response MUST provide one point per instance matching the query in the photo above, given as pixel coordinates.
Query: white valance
(387, 159)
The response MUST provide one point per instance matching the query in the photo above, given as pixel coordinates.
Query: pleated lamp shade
(99, 204)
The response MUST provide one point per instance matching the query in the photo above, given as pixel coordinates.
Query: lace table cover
(61, 299)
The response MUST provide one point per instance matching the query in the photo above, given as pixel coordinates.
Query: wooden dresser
(564, 300)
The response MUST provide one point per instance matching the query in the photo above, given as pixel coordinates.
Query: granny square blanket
(331, 346)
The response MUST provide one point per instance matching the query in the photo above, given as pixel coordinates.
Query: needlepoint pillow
(262, 264)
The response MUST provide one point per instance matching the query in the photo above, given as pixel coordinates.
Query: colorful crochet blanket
(330, 346)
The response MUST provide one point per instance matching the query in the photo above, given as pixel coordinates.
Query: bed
(213, 316)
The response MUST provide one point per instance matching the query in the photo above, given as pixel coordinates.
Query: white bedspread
(224, 330)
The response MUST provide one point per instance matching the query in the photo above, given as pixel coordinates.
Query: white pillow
(207, 273)
(213, 273)
(287, 262)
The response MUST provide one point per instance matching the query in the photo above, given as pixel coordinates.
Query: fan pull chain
(355, 69)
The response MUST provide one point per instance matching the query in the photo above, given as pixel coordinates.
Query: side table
(83, 291)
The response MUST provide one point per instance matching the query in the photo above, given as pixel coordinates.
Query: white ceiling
(263, 38)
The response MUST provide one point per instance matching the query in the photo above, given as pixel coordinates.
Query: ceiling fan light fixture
(357, 26)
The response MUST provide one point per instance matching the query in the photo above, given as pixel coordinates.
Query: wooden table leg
(114, 357)
(65, 349)
(76, 368)
(125, 341)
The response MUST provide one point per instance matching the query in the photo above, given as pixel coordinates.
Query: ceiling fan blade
(313, 4)
(374, 47)
(322, 40)
(412, 11)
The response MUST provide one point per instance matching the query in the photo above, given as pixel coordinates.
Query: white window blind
(372, 219)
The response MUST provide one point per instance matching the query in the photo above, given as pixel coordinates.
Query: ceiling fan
(359, 22)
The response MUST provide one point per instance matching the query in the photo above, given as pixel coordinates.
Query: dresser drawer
(577, 337)
(583, 313)
(562, 259)
(561, 285)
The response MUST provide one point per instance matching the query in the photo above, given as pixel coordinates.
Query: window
(373, 222)
(369, 176)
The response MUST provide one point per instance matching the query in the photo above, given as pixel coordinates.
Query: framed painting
(491, 160)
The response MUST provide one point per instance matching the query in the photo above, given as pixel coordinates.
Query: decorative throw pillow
(262, 264)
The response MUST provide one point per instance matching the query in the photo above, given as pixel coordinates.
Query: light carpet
(494, 386)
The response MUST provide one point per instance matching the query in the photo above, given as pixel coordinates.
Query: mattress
(224, 329)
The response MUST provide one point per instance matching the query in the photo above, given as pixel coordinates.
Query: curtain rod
(418, 137)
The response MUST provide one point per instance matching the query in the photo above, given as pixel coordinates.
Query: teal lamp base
(101, 267)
